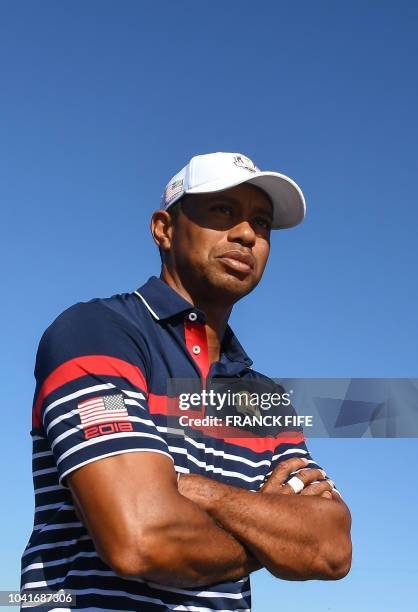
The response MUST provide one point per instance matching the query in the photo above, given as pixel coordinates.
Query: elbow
(326, 556)
(336, 551)
(334, 560)
(131, 552)
(152, 557)
(324, 562)
(128, 560)
(342, 569)
(127, 566)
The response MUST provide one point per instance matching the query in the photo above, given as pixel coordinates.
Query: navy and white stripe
(129, 344)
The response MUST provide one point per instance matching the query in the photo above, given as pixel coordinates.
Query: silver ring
(296, 484)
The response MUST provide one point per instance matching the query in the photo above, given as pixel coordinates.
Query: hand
(322, 489)
(277, 480)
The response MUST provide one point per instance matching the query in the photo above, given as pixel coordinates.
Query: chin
(232, 285)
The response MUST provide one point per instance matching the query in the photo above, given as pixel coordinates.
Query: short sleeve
(91, 393)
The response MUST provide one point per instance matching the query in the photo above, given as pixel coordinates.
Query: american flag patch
(104, 409)
(172, 190)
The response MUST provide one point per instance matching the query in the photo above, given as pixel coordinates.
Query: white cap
(219, 171)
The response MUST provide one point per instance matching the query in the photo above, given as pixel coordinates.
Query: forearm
(189, 549)
(295, 537)
(159, 535)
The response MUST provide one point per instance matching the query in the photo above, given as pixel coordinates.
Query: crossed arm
(199, 532)
(296, 537)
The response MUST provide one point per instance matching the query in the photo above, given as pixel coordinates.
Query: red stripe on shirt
(95, 365)
(260, 445)
(168, 406)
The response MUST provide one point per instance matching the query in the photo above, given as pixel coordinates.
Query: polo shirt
(102, 371)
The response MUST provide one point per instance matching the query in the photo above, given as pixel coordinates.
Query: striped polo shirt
(102, 372)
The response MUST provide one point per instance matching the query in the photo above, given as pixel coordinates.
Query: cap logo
(172, 190)
(245, 162)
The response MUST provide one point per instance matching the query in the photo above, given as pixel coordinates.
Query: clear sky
(102, 102)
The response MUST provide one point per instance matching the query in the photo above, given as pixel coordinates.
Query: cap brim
(287, 198)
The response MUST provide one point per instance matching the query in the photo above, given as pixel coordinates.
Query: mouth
(238, 261)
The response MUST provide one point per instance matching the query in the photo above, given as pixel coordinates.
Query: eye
(263, 222)
(223, 208)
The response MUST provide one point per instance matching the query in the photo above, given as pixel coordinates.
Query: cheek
(204, 239)
(261, 253)
(195, 244)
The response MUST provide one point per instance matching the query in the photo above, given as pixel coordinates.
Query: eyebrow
(231, 200)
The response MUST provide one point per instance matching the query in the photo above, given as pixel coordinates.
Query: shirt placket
(197, 345)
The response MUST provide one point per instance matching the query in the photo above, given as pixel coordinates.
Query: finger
(310, 475)
(318, 488)
(336, 495)
(285, 468)
(293, 486)
(292, 465)
(303, 478)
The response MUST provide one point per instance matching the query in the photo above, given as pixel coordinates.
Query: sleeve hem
(118, 452)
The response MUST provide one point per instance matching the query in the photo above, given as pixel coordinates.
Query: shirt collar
(163, 302)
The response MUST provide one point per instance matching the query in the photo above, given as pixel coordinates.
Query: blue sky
(102, 102)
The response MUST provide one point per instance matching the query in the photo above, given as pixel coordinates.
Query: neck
(217, 314)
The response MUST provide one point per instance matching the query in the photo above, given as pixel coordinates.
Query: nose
(243, 233)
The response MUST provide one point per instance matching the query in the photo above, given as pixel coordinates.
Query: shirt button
(196, 349)
(192, 316)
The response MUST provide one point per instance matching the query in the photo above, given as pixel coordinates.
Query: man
(129, 517)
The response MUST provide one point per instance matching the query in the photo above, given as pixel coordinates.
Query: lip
(238, 260)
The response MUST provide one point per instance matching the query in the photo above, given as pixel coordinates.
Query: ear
(161, 229)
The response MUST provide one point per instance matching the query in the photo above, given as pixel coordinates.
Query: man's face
(221, 241)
